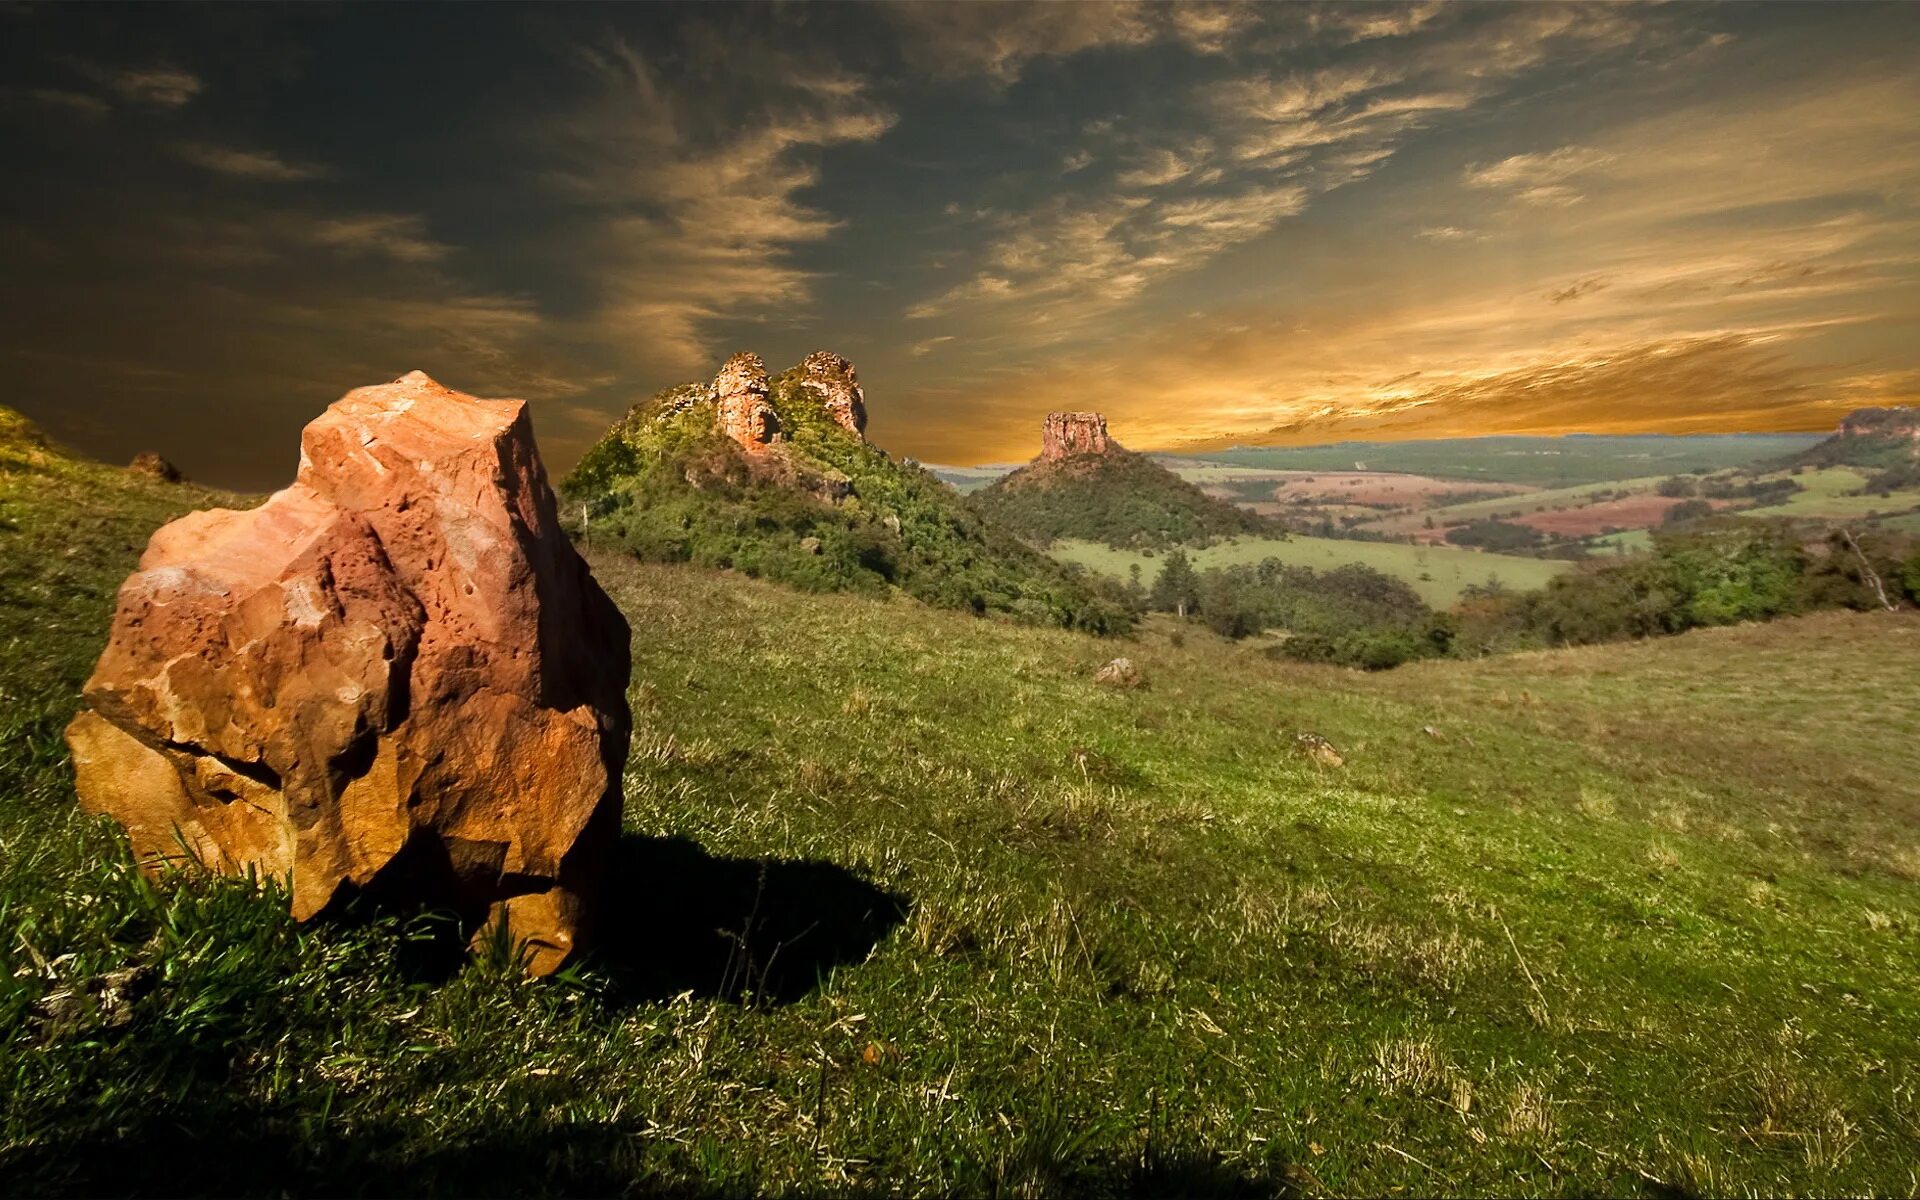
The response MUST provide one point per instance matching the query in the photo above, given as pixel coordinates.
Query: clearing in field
(1643, 511)
(1381, 489)
(1441, 574)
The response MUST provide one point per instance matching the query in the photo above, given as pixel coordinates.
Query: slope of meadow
(911, 906)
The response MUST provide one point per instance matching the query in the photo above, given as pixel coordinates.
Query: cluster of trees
(1353, 614)
(828, 513)
(1501, 537)
(1719, 573)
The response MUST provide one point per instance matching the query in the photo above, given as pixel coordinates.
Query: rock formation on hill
(1068, 433)
(394, 677)
(1086, 485)
(1896, 423)
(772, 475)
(1884, 438)
(832, 379)
(739, 394)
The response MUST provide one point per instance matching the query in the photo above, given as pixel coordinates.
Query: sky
(1217, 224)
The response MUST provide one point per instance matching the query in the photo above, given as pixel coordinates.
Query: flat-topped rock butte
(1069, 433)
(394, 677)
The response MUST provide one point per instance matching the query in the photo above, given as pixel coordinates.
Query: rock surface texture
(1882, 422)
(832, 379)
(394, 677)
(1070, 433)
(740, 396)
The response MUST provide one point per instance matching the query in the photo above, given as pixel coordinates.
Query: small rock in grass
(1120, 673)
(810, 545)
(1319, 749)
(152, 465)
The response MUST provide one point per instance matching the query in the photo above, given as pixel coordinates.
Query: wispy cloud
(1546, 178)
(260, 165)
(156, 86)
(694, 228)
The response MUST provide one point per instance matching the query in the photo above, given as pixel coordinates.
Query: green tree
(1177, 588)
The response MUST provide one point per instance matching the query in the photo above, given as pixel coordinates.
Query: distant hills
(772, 475)
(1084, 485)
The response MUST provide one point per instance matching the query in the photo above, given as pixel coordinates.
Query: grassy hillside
(1547, 461)
(823, 510)
(1634, 920)
(1118, 497)
(1439, 573)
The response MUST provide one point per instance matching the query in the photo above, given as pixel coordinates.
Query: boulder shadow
(766, 931)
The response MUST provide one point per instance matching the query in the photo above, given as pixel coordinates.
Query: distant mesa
(1882, 438)
(396, 677)
(1085, 485)
(1066, 434)
(1898, 423)
(153, 466)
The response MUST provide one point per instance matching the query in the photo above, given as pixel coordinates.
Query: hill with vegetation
(916, 907)
(1113, 496)
(771, 476)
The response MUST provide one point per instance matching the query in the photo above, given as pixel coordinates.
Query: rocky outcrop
(833, 382)
(1069, 433)
(153, 466)
(394, 677)
(1896, 423)
(740, 397)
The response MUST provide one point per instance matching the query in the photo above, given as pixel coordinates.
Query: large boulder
(395, 677)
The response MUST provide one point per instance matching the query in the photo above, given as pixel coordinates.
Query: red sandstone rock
(395, 676)
(1070, 433)
(740, 396)
(832, 379)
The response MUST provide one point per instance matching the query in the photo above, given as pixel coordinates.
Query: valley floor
(911, 906)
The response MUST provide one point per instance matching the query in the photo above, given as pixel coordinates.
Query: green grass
(1828, 492)
(1439, 573)
(1639, 919)
(1626, 541)
(1549, 461)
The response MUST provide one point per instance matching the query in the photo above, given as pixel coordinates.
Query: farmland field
(1439, 573)
(1532, 502)
(1545, 461)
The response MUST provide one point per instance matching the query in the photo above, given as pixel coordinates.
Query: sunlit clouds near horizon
(1216, 223)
